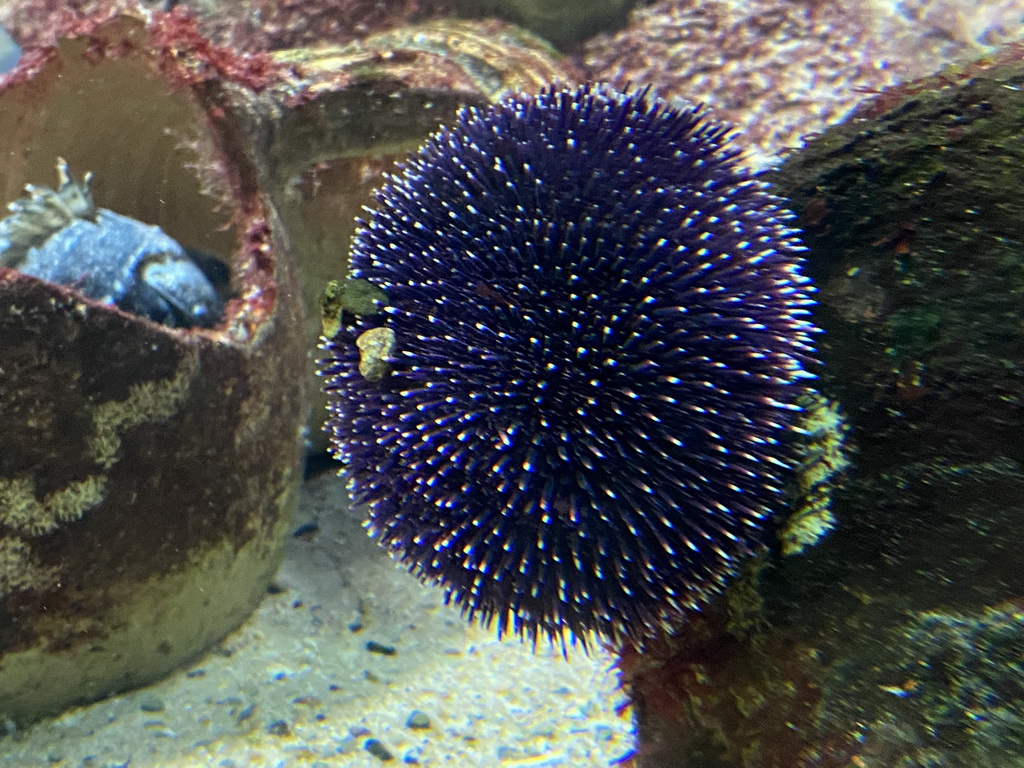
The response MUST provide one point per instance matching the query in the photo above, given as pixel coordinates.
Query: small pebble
(306, 531)
(385, 650)
(417, 719)
(278, 728)
(378, 750)
(151, 703)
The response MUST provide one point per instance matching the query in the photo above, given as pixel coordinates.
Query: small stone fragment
(375, 348)
(278, 728)
(417, 719)
(384, 650)
(151, 703)
(376, 748)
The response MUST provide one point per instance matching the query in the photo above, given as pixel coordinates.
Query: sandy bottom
(349, 661)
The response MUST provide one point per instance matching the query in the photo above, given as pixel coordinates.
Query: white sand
(297, 685)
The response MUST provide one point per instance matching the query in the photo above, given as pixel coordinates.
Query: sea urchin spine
(601, 334)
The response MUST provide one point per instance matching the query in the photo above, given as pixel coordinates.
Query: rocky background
(892, 641)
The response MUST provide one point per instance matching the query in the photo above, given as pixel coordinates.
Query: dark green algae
(915, 222)
(898, 640)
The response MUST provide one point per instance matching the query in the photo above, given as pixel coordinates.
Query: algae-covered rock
(896, 639)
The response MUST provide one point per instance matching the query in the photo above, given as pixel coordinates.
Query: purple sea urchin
(600, 333)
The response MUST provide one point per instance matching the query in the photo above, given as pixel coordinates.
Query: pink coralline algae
(243, 25)
(259, 25)
(781, 69)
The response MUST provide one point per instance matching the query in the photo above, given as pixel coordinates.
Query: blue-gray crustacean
(62, 237)
(10, 51)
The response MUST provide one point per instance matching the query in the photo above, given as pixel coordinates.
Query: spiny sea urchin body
(597, 336)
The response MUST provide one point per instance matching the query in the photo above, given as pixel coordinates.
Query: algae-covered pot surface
(147, 473)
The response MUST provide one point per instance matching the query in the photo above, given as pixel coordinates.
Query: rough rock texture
(261, 25)
(243, 25)
(781, 69)
(896, 640)
(147, 474)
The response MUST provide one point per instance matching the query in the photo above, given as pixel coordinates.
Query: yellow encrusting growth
(822, 458)
(19, 569)
(23, 511)
(152, 401)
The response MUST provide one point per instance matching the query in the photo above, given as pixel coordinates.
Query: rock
(278, 728)
(384, 650)
(417, 719)
(775, 70)
(376, 748)
(151, 703)
(896, 638)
